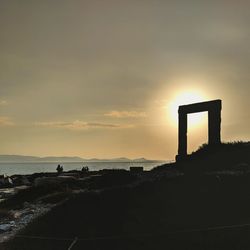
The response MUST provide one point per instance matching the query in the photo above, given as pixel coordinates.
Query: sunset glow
(104, 79)
(184, 98)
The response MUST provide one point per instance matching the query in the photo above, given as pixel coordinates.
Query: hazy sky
(96, 78)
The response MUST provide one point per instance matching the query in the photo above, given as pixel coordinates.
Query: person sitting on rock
(85, 169)
(59, 169)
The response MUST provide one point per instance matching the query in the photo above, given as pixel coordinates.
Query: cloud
(5, 121)
(3, 102)
(125, 114)
(80, 125)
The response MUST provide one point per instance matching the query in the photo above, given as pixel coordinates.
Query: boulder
(5, 227)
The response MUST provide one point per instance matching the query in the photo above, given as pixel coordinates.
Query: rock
(9, 181)
(26, 219)
(5, 227)
(5, 181)
(15, 214)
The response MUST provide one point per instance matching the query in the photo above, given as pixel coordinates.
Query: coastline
(28, 168)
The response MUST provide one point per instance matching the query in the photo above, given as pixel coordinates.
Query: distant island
(22, 158)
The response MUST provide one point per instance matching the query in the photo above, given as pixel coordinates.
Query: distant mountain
(121, 159)
(22, 158)
(61, 159)
(18, 158)
(140, 160)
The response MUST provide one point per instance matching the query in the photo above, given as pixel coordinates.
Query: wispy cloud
(125, 114)
(3, 102)
(80, 125)
(5, 121)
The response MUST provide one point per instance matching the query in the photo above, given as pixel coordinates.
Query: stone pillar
(214, 126)
(182, 149)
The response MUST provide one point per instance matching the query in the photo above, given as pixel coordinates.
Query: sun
(183, 98)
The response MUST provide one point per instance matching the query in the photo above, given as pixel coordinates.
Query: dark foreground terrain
(200, 203)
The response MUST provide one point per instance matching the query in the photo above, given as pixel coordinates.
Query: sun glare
(194, 120)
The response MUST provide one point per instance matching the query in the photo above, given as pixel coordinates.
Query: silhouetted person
(85, 169)
(59, 169)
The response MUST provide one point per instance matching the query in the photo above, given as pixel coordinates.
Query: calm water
(30, 168)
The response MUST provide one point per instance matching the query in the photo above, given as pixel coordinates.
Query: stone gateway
(214, 124)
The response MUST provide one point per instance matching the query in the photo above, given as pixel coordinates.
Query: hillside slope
(170, 209)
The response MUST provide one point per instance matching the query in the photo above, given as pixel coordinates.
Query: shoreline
(50, 167)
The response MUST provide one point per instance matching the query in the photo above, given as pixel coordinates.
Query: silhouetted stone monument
(214, 123)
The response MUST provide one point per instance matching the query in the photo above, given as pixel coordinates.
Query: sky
(100, 78)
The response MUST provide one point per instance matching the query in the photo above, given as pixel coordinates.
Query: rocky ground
(167, 210)
(21, 203)
(19, 218)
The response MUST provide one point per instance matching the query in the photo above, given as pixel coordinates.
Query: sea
(31, 168)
